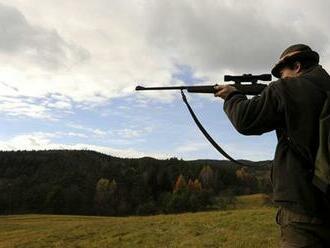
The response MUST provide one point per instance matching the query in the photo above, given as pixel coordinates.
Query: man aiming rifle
(291, 106)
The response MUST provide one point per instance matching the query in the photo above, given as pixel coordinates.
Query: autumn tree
(197, 186)
(207, 177)
(180, 184)
(247, 180)
(190, 185)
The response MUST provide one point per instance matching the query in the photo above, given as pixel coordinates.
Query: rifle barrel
(162, 88)
(248, 89)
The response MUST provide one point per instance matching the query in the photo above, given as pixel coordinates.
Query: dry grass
(253, 201)
(235, 228)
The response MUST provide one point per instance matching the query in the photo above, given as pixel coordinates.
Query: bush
(146, 208)
(185, 200)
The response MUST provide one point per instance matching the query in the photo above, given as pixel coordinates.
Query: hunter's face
(287, 72)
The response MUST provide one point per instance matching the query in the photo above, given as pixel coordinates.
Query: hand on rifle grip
(223, 90)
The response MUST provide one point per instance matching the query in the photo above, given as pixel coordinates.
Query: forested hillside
(87, 182)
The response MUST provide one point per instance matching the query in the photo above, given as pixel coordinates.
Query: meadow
(252, 225)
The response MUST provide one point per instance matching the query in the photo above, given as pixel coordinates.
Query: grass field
(246, 228)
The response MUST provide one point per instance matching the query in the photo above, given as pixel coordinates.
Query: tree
(197, 186)
(247, 180)
(105, 196)
(180, 184)
(190, 185)
(113, 186)
(207, 177)
(55, 202)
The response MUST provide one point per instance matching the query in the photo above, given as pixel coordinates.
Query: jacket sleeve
(257, 115)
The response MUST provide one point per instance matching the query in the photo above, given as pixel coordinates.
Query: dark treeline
(91, 183)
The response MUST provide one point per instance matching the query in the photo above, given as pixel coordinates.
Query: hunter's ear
(297, 67)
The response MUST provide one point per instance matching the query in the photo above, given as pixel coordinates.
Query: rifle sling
(206, 134)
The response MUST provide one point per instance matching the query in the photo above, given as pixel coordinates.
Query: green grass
(233, 228)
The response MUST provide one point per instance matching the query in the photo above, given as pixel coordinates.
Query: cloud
(60, 105)
(42, 141)
(131, 133)
(135, 42)
(22, 107)
(61, 57)
(49, 107)
(44, 47)
(237, 149)
(250, 151)
(95, 131)
(238, 36)
(191, 147)
(124, 134)
(190, 150)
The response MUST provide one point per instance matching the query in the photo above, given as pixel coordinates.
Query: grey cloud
(37, 44)
(213, 36)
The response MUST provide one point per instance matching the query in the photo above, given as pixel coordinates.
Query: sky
(68, 71)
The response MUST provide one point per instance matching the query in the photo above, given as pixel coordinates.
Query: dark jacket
(291, 107)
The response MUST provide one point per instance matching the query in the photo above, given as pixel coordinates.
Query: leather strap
(206, 134)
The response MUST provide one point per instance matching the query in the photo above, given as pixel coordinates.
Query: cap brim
(277, 69)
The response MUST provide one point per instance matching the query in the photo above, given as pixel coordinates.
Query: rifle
(253, 88)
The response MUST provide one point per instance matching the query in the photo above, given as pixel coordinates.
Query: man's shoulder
(285, 81)
(286, 84)
(281, 84)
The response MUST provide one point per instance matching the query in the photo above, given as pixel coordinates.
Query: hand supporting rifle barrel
(251, 87)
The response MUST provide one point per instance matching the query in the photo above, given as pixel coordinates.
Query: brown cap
(294, 53)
